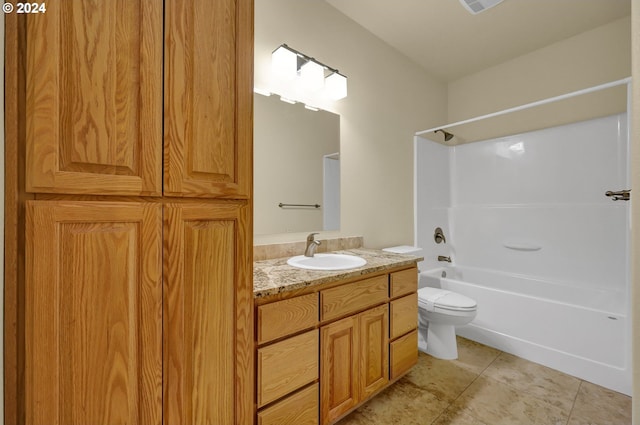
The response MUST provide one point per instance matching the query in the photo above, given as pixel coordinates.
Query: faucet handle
(311, 235)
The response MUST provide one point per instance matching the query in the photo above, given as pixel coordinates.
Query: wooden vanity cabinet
(367, 340)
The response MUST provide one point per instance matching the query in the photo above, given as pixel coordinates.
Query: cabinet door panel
(338, 368)
(208, 98)
(374, 350)
(93, 313)
(94, 98)
(208, 314)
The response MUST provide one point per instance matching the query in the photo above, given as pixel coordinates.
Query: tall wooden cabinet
(129, 292)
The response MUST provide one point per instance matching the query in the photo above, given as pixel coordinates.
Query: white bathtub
(580, 331)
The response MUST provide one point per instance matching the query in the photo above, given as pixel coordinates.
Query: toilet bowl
(439, 312)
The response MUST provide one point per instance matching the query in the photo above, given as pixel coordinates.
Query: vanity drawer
(352, 297)
(286, 317)
(300, 408)
(404, 282)
(287, 365)
(404, 315)
(403, 354)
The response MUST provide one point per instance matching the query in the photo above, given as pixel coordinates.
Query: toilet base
(441, 341)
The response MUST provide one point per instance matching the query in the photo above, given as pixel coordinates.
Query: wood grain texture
(94, 98)
(374, 350)
(403, 282)
(301, 408)
(286, 317)
(93, 313)
(14, 220)
(339, 364)
(286, 366)
(404, 354)
(203, 269)
(346, 299)
(208, 98)
(404, 315)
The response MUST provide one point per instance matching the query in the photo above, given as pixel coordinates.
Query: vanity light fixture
(284, 63)
(289, 64)
(336, 85)
(312, 76)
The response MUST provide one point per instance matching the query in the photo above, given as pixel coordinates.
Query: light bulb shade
(312, 76)
(284, 63)
(336, 86)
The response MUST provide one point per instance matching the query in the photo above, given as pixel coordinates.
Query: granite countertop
(275, 276)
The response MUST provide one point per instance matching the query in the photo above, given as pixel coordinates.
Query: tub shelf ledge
(522, 246)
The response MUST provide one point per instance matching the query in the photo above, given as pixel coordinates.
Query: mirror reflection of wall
(292, 148)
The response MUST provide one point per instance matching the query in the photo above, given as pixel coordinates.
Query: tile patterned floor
(485, 386)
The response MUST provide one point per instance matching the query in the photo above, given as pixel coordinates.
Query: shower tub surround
(536, 242)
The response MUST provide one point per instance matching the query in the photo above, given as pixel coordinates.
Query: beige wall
(389, 99)
(594, 57)
(635, 207)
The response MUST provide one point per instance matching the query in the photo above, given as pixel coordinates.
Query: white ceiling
(449, 42)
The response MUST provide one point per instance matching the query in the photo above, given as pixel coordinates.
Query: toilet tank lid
(444, 298)
(404, 249)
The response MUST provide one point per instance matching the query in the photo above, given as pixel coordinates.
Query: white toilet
(439, 312)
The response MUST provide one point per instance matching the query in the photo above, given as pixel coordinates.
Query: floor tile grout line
(573, 405)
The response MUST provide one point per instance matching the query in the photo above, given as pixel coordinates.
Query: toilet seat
(432, 299)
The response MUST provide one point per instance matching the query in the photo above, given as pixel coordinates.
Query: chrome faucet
(443, 258)
(312, 244)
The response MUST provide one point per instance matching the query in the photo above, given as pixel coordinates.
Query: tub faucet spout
(443, 258)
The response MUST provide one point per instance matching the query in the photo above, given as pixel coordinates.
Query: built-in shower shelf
(522, 246)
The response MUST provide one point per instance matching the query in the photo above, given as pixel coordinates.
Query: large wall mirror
(296, 168)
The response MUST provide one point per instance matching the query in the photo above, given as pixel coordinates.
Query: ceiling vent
(477, 6)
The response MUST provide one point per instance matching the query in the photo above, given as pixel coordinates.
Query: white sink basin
(327, 262)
